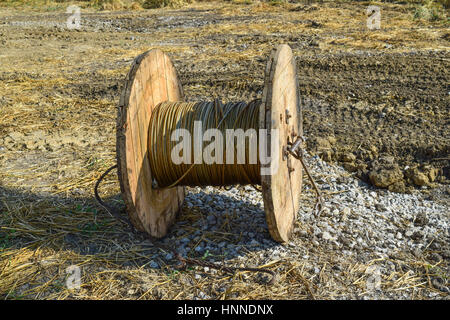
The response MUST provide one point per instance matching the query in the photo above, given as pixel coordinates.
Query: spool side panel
(127, 172)
(152, 211)
(296, 126)
(166, 203)
(140, 112)
(281, 190)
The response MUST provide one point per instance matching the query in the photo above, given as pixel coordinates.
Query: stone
(420, 179)
(326, 236)
(346, 211)
(348, 157)
(350, 166)
(432, 174)
(169, 256)
(384, 177)
(417, 235)
(326, 212)
(421, 219)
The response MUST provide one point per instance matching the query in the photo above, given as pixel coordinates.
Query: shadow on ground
(210, 226)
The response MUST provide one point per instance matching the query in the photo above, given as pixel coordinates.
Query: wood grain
(281, 190)
(152, 79)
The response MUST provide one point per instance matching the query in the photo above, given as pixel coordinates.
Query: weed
(430, 10)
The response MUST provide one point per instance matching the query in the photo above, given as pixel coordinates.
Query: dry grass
(34, 258)
(151, 4)
(48, 219)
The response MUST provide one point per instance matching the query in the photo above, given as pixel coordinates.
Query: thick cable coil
(169, 116)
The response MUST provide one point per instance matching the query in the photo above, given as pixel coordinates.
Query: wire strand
(170, 116)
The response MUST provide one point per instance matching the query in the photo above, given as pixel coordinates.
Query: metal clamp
(295, 149)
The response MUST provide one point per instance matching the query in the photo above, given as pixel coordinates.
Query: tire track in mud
(396, 104)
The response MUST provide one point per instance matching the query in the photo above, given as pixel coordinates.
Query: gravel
(358, 224)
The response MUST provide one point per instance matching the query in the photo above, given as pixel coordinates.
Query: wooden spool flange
(153, 79)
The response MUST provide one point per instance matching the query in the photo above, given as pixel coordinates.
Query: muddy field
(375, 102)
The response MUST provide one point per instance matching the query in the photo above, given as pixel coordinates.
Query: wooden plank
(281, 190)
(124, 147)
(162, 75)
(149, 210)
(139, 146)
(141, 130)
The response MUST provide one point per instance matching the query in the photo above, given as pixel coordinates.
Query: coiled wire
(168, 116)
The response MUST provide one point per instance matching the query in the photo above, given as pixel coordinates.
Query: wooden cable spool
(153, 79)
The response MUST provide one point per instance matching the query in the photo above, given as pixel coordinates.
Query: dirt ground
(375, 101)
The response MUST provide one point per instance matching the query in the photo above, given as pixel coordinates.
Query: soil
(362, 106)
(375, 102)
